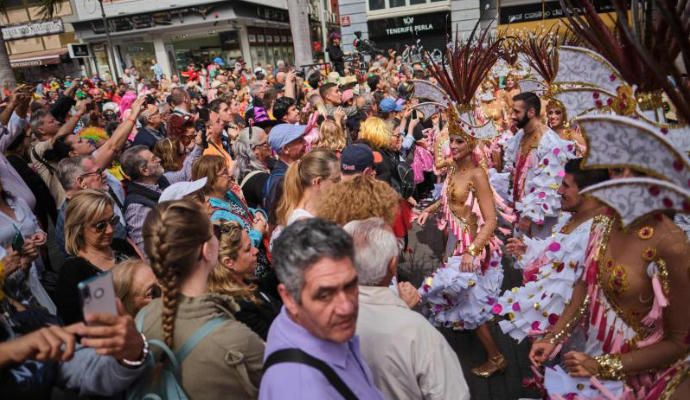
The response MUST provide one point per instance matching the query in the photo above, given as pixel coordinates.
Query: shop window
(381, 5)
(377, 4)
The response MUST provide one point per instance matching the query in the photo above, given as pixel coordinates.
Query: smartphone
(98, 295)
(18, 242)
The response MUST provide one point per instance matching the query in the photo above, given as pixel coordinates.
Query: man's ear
(289, 301)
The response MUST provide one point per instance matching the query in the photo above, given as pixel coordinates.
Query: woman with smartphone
(92, 249)
(20, 232)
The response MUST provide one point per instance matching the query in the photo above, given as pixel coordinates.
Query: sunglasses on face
(217, 231)
(153, 292)
(101, 226)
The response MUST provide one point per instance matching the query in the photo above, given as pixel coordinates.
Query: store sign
(78, 50)
(409, 26)
(345, 20)
(32, 29)
(548, 10)
(150, 20)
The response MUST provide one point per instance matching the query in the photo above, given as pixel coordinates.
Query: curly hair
(221, 280)
(359, 198)
(174, 233)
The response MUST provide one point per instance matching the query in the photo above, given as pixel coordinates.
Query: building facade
(38, 47)
(393, 24)
(175, 33)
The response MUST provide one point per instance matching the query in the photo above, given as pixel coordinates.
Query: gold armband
(473, 250)
(610, 366)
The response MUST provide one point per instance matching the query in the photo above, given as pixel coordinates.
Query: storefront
(268, 45)
(516, 16)
(396, 33)
(177, 37)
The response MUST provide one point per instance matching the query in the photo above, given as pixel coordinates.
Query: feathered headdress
(459, 75)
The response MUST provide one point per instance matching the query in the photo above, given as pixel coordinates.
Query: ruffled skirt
(461, 300)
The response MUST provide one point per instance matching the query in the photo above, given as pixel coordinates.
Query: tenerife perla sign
(31, 29)
(410, 27)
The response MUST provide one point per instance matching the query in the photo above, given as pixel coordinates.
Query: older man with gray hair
(409, 358)
(312, 352)
(253, 162)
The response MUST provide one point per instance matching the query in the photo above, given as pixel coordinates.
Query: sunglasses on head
(100, 226)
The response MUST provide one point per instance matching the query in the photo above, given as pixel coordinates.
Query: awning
(37, 58)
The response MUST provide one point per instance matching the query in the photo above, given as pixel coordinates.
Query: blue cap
(283, 134)
(357, 157)
(389, 105)
(219, 61)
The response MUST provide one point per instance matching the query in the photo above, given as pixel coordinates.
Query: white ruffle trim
(461, 300)
(534, 307)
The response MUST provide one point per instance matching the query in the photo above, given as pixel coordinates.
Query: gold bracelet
(473, 250)
(610, 366)
(555, 338)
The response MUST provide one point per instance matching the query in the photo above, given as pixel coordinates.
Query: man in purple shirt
(313, 260)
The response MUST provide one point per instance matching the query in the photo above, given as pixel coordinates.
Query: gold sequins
(537, 306)
(649, 254)
(618, 280)
(645, 233)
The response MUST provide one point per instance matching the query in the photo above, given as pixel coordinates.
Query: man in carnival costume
(552, 266)
(535, 158)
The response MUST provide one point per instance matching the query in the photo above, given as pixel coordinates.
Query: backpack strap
(196, 337)
(249, 176)
(298, 356)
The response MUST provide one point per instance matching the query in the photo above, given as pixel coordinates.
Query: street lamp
(111, 49)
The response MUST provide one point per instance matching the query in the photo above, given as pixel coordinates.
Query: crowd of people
(253, 221)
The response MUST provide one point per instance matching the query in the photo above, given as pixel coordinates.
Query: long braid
(173, 233)
(166, 276)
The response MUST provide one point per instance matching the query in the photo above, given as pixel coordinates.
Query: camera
(299, 74)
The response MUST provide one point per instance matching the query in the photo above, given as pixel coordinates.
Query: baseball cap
(178, 190)
(357, 157)
(283, 134)
(389, 105)
(219, 61)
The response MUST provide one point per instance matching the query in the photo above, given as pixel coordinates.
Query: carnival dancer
(557, 119)
(551, 266)
(460, 294)
(628, 318)
(511, 89)
(534, 159)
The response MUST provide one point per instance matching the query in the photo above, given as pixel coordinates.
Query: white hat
(178, 190)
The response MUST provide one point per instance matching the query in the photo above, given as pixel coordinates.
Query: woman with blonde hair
(89, 229)
(182, 246)
(234, 276)
(135, 285)
(304, 182)
(331, 137)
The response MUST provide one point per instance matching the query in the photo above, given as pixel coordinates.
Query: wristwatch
(144, 355)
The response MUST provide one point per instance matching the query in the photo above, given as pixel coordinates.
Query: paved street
(427, 244)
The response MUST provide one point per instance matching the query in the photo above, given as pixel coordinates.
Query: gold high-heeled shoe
(491, 366)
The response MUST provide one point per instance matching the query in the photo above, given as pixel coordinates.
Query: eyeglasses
(263, 144)
(98, 172)
(100, 226)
